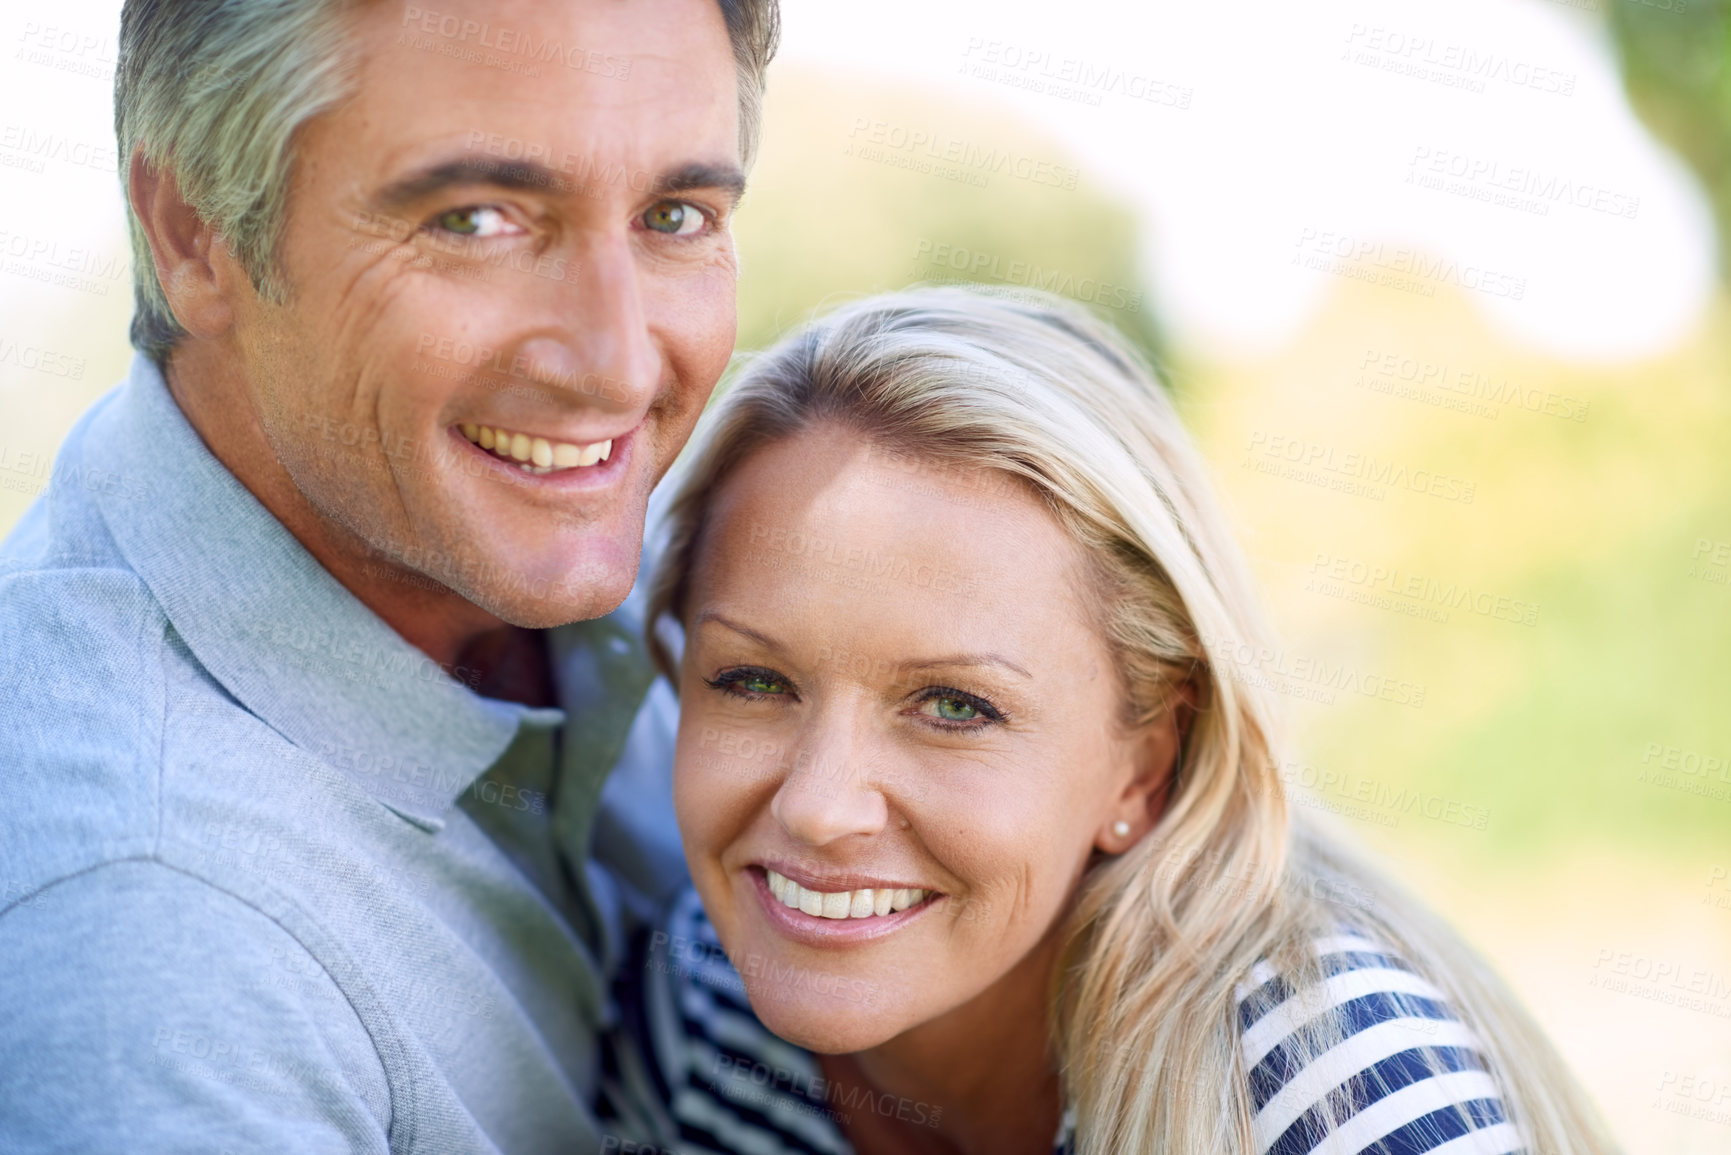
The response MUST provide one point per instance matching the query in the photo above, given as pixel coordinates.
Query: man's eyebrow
(511, 174)
(533, 176)
(699, 175)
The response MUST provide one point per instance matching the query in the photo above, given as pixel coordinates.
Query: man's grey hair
(213, 91)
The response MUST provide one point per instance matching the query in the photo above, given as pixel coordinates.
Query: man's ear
(1158, 751)
(193, 265)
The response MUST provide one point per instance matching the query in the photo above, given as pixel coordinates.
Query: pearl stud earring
(1121, 829)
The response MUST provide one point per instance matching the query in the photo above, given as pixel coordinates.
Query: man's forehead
(553, 86)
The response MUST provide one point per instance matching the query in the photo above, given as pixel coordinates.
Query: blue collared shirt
(259, 890)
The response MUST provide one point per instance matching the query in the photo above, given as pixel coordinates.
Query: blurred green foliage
(864, 186)
(1674, 60)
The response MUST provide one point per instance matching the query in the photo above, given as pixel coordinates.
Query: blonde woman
(990, 849)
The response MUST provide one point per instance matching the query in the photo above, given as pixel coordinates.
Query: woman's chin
(825, 1025)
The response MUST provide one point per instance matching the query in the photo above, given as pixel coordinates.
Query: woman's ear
(1157, 753)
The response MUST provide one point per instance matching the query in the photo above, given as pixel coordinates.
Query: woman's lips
(863, 902)
(816, 930)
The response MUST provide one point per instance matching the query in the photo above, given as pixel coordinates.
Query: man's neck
(987, 1065)
(484, 651)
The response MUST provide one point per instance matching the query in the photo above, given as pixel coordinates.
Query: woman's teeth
(841, 904)
(536, 454)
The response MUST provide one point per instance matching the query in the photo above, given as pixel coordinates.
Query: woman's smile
(834, 916)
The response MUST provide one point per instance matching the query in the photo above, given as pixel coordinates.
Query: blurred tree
(1674, 60)
(865, 186)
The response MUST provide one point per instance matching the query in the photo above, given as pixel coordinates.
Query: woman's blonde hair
(1163, 938)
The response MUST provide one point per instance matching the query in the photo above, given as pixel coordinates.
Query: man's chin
(541, 602)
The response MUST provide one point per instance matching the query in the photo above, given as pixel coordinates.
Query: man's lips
(534, 453)
(599, 474)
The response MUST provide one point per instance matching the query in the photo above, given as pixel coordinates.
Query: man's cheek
(697, 325)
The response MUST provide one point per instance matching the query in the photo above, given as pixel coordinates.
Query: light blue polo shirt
(272, 881)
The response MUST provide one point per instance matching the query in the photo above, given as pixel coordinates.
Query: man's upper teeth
(865, 903)
(537, 454)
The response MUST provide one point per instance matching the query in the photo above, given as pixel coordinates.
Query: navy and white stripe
(1368, 1060)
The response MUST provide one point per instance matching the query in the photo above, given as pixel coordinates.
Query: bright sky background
(1285, 131)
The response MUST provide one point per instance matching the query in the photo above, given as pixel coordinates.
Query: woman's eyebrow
(952, 660)
(761, 639)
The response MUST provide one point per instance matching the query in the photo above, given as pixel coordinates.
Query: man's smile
(536, 454)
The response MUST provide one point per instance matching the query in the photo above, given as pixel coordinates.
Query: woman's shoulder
(704, 1074)
(1365, 1054)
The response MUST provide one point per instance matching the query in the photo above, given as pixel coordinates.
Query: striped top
(1370, 1061)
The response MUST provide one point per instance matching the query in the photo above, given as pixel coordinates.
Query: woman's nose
(828, 795)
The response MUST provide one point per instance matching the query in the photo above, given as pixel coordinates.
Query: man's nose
(600, 349)
(827, 794)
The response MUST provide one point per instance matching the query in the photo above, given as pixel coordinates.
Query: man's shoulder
(90, 655)
(140, 995)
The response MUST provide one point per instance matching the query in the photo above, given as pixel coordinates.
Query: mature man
(300, 759)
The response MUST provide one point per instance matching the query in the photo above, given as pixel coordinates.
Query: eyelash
(990, 715)
(711, 220)
(728, 682)
(434, 224)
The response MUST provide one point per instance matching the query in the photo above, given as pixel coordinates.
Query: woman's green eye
(758, 684)
(955, 710)
(674, 218)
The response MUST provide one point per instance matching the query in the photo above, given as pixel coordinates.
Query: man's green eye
(460, 221)
(473, 221)
(674, 218)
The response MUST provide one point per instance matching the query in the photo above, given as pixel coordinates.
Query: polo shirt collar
(277, 630)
